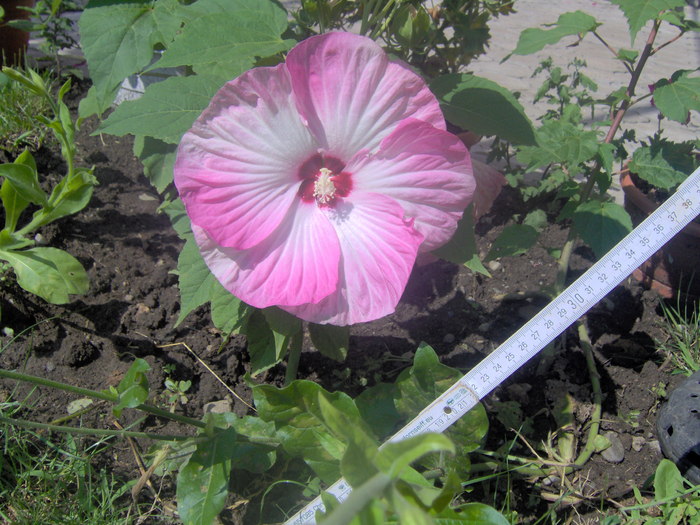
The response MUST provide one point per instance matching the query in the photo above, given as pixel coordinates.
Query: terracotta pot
(673, 271)
(13, 42)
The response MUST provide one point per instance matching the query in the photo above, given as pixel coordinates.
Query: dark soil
(130, 252)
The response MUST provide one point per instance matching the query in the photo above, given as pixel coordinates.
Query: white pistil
(324, 189)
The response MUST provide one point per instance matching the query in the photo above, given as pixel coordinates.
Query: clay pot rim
(644, 203)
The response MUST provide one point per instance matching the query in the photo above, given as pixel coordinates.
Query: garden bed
(130, 252)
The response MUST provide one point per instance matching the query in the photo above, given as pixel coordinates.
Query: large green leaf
(482, 106)
(69, 196)
(652, 165)
(228, 313)
(158, 159)
(675, 98)
(208, 42)
(332, 341)
(427, 379)
(560, 142)
(118, 38)
(165, 111)
(195, 280)
(202, 484)
(301, 426)
(639, 12)
(515, 239)
(601, 224)
(50, 273)
(574, 23)
(266, 347)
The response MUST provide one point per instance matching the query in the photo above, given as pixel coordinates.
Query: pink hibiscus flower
(314, 184)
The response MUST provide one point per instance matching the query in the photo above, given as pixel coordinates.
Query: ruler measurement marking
(577, 299)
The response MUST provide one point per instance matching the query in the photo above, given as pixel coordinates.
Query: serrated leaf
(560, 142)
(601, 224)
(515, 239)
(639, 12)
(483, 107)
(125, 44)
(50, 273)
(677, 97)
(574, 23)
(158, 159)
(207, 42)
(202, 483)
(228, 313)
(652, 165)
(196, 282)
(165, 111)
(332, 341)
(265, 347)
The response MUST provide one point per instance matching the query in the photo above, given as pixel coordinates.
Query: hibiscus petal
(236, 169)
(489, 183)
(378, 248)
(427, 171)
(298, 263)
(352, 95)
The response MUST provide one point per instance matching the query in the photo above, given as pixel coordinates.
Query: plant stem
(105, 396)
(294, 357)
(597, 395)
(91, 431)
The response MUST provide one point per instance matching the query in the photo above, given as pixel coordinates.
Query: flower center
(324, 189)
(324, 180)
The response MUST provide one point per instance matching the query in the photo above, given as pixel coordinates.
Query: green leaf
(427, 379)
(461, 248)
(165, 111)
(158, 159)
(25, 182)
(668, 482)
(574, 23)
(401, 454)
(639, 12)
(195, 280)
(515, 239)
(601, 224)
(677, 97)
(653, 165)
(13, 204)
(301, 426)
(376, 405)
(265, 346)
(471, 514)
(202, 483)
(133, 388)
(118, 39)
(69, 196)
(483, 107)
(228, 313)
(560, 142)
(207, 42)
(332, 341)
(50, 273)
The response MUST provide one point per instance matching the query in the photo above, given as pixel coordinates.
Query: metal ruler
(640, 244)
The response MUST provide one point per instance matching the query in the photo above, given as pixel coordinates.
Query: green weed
(20, 109)
(682, 344)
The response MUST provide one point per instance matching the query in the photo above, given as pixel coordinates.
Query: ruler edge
(340, 488)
